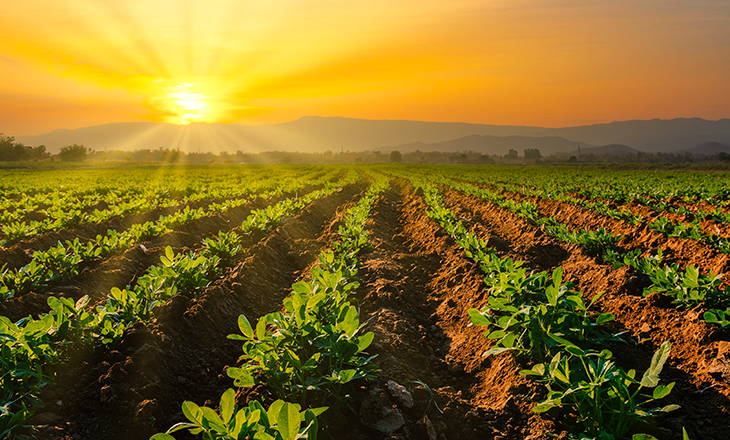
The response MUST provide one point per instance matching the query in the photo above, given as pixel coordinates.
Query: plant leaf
(651, 375)
(662, 391)
(228, 405)
(288, 421)
(477, 318)
(193, 411)
(245, 326)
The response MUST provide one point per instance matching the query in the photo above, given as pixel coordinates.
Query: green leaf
(537, 370)
(228, 404)
(212, 418)
(497, 334)
(495, 350)
(302, 288)
(162, 436)
(273, 411)
(351, 322)
(192, 412)
(651, 375)
(169, 253)
(288, 421)
(245, 326)
(241, 377)
(604, 318)
(310, 418)
(662, 391)
(574, 350)
(364, 341)
(54, 303)
(261, 328)
(477, 318)
(643, 437)
(546, 406)
(685, 436)
(552, 295)
(346, 375)
(558, 277)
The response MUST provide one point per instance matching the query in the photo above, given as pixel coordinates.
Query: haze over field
(66, 64)
(317, 134)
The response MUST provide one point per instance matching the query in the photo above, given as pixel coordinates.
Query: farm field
(367, 290)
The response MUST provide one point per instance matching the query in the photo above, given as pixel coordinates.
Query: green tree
(395, 156)
(532, 154)
(73, 153)
(512, 154)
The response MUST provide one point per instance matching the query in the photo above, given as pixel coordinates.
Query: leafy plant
(313, 349)
(596, 242)
(226, 246)
(603, 400)
(536, 314)
(718, 316)
(281, 421)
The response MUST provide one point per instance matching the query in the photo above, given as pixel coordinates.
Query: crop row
(541, 319)
(62, 261)
(548, 189)
(32, 345)
(687, 287)
(70, 212)
(308, 354)
(619, 187)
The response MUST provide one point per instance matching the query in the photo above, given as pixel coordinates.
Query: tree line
(12, 151)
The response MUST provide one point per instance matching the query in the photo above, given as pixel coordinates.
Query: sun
(189, 102)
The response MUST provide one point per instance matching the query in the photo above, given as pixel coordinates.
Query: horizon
(192, 124)
(69, 64)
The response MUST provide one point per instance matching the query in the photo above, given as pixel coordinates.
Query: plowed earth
(121, 267)
(416, 286)
(700, 358)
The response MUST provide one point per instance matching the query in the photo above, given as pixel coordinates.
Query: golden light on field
(71, 63)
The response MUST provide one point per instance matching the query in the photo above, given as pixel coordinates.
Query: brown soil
(676, 250)
(122, 268)
(416, 287)
(137, 389)
(699, 350)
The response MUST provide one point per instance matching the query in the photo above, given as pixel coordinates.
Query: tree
(395, 156)
(723, 156)
(73, 153)
(532, 154)
(512, 154)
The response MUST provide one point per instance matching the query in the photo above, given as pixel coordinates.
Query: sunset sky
(76, 63)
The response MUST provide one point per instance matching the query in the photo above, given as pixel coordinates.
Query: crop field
(364, 302)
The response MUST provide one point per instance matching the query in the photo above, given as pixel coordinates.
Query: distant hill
(611, 150)
(487, 144)
(313, 133)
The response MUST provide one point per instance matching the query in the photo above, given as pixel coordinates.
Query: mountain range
(318, 134)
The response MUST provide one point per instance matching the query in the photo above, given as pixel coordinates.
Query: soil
(416, 286)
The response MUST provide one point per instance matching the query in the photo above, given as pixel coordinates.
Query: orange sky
(75, 63)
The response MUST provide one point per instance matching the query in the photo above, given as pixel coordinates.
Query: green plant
(226, 246)
(281, 421)
(536, 314)
(603, 400)
(718, 316)
(596, 242)
(310, 352)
